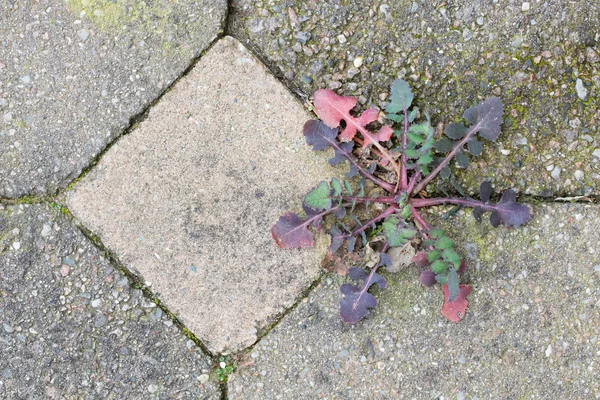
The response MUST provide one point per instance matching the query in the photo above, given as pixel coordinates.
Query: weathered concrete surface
(532, 329)
(73, 73)
(188, 198)
(72, 327)
(530, 54)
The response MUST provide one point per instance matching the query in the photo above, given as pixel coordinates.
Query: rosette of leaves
(400, 158)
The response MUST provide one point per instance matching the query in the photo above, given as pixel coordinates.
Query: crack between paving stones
(135, 281)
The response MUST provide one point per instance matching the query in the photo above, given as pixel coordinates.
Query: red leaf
(421, 259)
(332, 109)
(291, 232)
(456, 309)
(384, 134)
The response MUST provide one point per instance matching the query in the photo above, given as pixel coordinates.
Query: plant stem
(404, 172)
(413, 181)
(418, 203)
(383, 199)
(446, 160)
(387, 212)
(367, 284)
(418, 219)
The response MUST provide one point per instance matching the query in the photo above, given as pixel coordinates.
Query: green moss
(114, 17)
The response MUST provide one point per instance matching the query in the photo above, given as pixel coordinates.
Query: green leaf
(411, 153)
(451, 256)
(444, 145)
(415, 138)
(402, 97)
(413, 114)
(422, 128)
(434, 255)
(425, 159)
(405, 212)
(408, 233)
(441, 278)
(336, 187)
(452, 285)
(395, 117)
(444, 243)
(439, 266)
(393, 232)
(462, 160)
(318, 198)
(348, 187)
(436, 233)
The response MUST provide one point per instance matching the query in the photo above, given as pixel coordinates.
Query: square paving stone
(73, 73)
(187, 200)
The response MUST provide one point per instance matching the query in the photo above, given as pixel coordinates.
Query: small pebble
(8, 328)
(555, 173)
(581, 90)
(479, 21)
(342, 39)
(467, 35)
(64, 271)
(596, 153)
(525, 6)
(16, 245)
(96, 303)
(83, 34)
(578, 174)
(46, 230)
(152, 388)
(549, 351)
(358, 61)
(203, 378)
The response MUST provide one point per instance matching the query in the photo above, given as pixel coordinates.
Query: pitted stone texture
(71, 327)
(188, 199)
(454, 54)
(74, 72)
(532, 329)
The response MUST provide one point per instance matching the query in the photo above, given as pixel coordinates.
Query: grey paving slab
(72, 327)
(532, 329)
(188, 199)
(73, 73)
(540, 57)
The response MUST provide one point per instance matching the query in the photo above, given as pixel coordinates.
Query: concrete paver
(72, 327)
(531, 330)
(73, 73)
(188, 199)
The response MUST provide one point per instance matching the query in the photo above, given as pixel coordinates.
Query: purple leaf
(291, 231)
(427, 278)
(337, 238)
(385, 260)
(355, 304)
(509, 212)
(455, 130)
(318, 135)
(485, 190)
(487, 117)
(342, 153)
(312, 213)
(356, 274)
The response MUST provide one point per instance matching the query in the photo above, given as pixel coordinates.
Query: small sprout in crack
(391, 165)
(226, 367)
